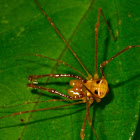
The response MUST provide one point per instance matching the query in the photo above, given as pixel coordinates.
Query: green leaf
(24, 30)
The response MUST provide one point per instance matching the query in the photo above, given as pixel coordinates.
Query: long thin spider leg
(59, 61)
(97, 25)
(58, 32)
(82, 133)
(107, 61)
(49, 90)
(42, 109)
(51, 100)
(96, 45)
(109, 29)
(33, 78)
(90, 123)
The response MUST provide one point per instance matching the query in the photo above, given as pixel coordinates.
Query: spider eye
(96, 92)
(98, 81)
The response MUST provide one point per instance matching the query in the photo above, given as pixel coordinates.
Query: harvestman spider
(83, 90)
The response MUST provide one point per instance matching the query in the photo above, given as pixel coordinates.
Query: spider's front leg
(34, 78)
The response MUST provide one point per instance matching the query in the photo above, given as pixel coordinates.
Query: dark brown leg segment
(33, 78)
(58, 32)
(107, 61)
(97, 25)
(49, 90)
(90, 123)
(42, 109)
(59, 61)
